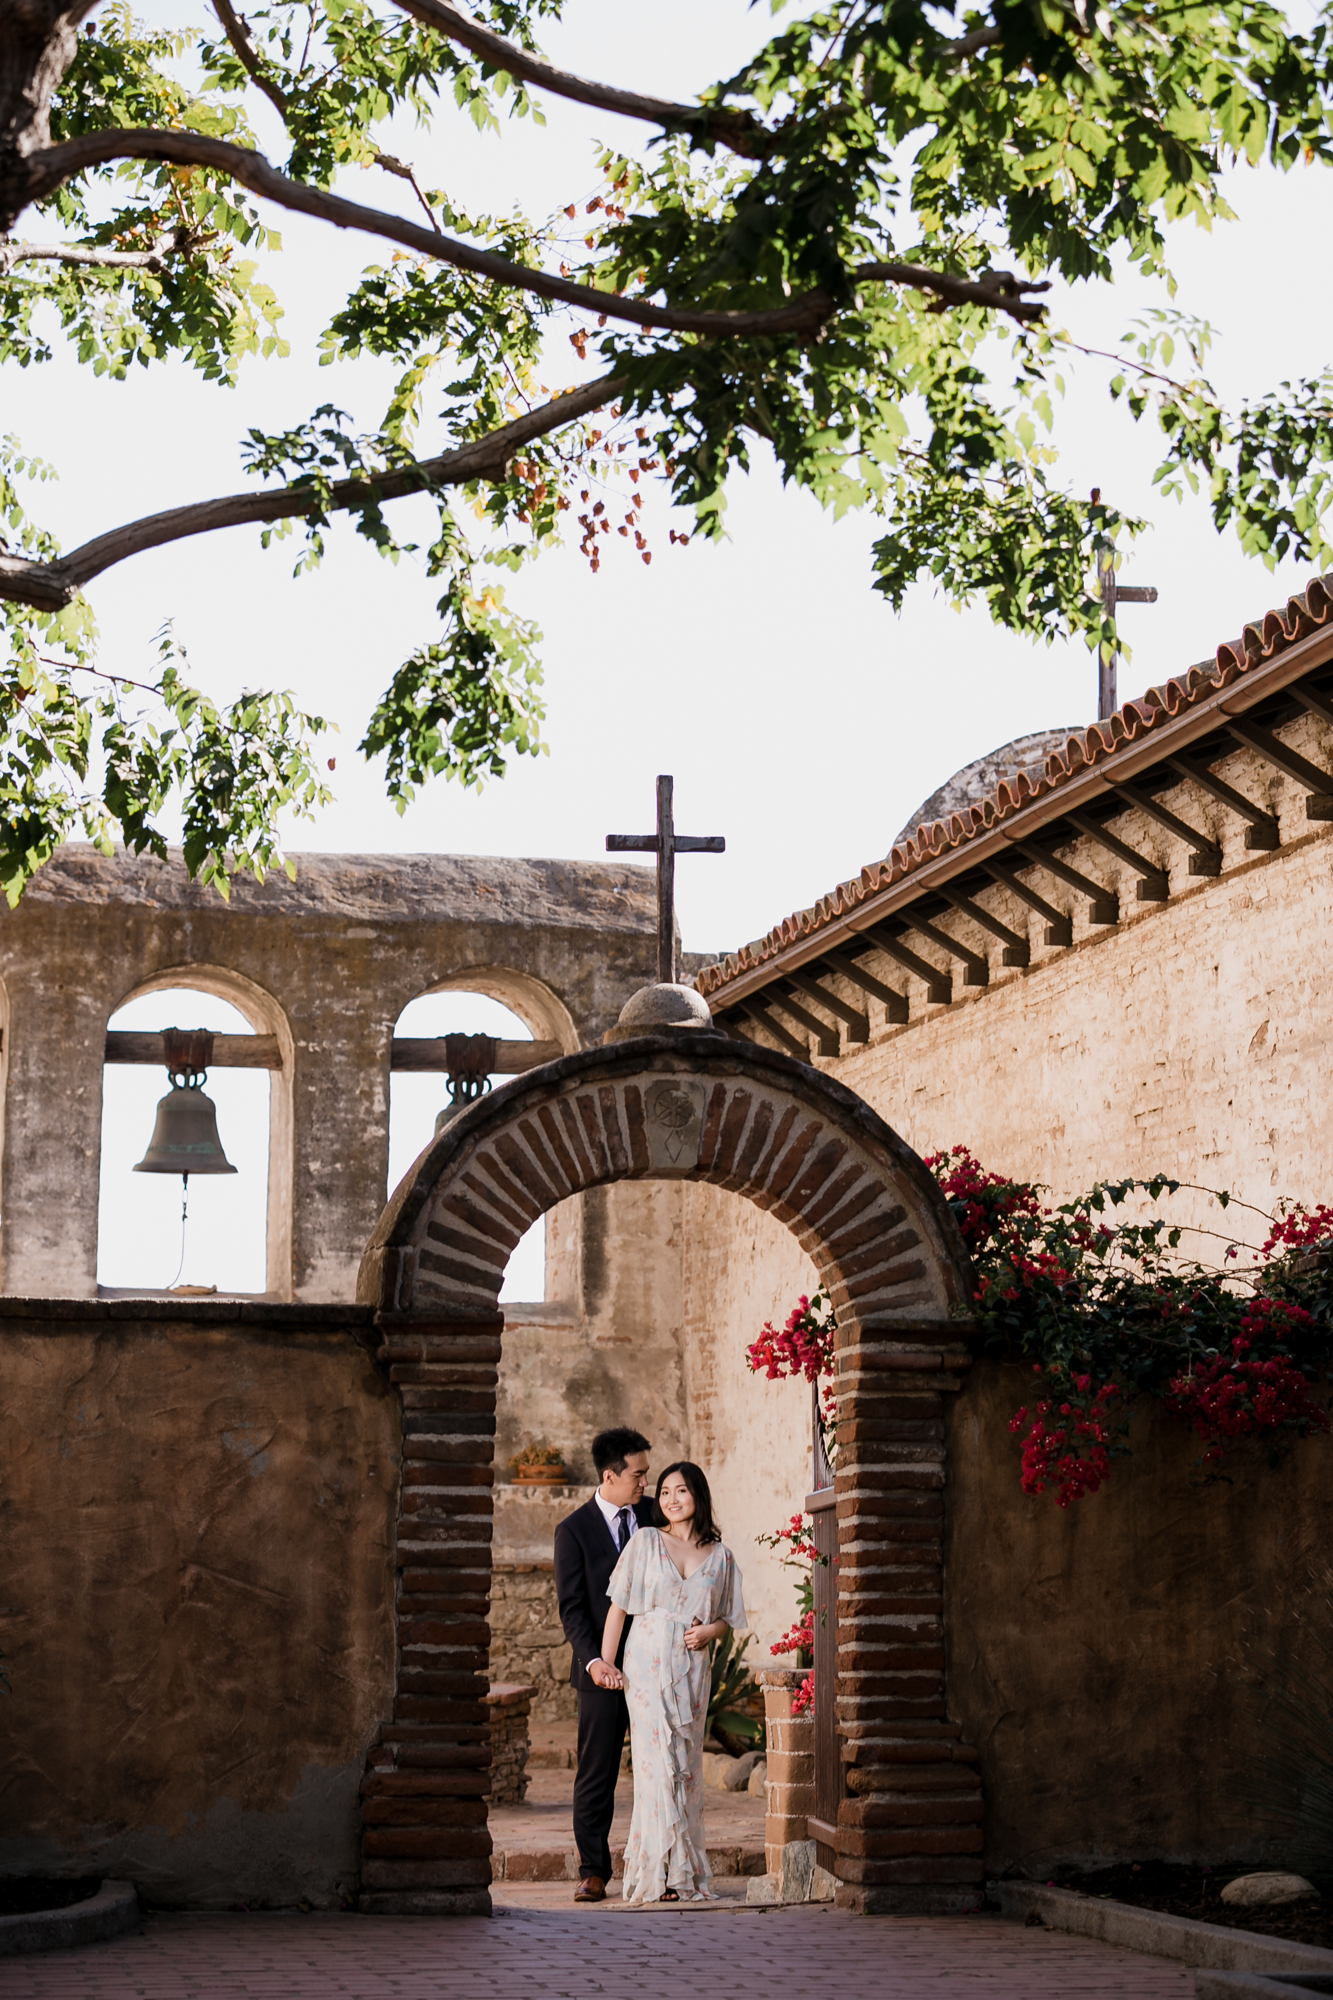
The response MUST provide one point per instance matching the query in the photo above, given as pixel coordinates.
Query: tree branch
(735, 129)
(50, 586)
(12, 253)
(804, 314)
(237, 31)
(48, 169)
(999, 290)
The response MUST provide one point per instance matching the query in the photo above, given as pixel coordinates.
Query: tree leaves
(1044, 137)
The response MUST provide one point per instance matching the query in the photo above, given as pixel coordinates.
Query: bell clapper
(185, 1202)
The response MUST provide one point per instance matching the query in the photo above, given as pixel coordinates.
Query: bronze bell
(185, 1139)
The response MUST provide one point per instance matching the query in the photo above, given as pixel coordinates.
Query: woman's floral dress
(666, 1686)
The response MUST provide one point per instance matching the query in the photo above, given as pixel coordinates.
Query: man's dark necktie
(622, 1527)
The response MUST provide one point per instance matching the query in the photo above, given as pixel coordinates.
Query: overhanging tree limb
(51, 586)
(91, 254)
(53, 165)
(738, 130)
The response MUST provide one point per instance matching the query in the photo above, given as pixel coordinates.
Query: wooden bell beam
(1261, 833)
(1205, 853)
(262, 1052)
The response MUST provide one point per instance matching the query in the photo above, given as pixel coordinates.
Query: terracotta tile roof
(1257, 645)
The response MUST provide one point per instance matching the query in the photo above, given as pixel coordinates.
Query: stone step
(561, 1864)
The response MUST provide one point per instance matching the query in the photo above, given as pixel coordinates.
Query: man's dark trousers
(603, 1722)
(585, 1555)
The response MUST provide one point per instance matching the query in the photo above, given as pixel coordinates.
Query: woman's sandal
(669, 1896)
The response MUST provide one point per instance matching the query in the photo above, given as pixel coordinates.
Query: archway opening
(665, 1110)
(417, 1097)
(140, 1243)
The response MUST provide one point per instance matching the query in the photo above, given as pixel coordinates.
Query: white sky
(800, 717)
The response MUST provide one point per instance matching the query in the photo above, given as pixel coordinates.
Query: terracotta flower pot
(541, 1475)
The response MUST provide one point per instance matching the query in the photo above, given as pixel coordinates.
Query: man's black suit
(585, 1555)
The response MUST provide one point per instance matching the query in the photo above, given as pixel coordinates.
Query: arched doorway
(686, 1104)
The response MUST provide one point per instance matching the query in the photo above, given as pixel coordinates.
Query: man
(587, 1548)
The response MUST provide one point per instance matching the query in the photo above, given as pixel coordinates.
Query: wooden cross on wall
(666, 844)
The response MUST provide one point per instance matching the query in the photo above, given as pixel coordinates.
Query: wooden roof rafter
(1150, 750)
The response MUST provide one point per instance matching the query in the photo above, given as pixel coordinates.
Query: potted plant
(539, 1464)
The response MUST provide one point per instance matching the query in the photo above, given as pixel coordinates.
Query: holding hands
(606, 1677)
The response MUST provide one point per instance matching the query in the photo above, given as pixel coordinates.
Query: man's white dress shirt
(610, 1515)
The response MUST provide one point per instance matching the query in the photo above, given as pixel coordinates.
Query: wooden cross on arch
(666, 844)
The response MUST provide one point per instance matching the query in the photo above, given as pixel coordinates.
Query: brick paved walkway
(568, 1954)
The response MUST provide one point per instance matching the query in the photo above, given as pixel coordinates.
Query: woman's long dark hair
(705, 1527)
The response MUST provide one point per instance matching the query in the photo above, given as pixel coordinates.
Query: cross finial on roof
(1111, 592)
(666, 844)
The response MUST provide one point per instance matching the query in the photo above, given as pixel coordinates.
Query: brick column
(790, 1791)
(424, 1844)
(909, 1834)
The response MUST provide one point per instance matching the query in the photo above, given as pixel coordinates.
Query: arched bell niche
(238, 1236)
(692, 1106)
(516, 1011)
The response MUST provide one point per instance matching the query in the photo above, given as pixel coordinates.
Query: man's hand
(604, 1676)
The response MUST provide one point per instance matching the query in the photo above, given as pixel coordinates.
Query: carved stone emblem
(674, 1112)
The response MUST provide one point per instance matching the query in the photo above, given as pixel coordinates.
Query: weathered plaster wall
(328, 963)
(196, 1560)
(1098, 1654)
(612, 1352)
(752, 1436)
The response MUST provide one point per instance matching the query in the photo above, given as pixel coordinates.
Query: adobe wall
(1098, 1655)
(327, 963)
(196, 1560)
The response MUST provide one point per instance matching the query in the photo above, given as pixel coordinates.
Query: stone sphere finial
(665, 1009)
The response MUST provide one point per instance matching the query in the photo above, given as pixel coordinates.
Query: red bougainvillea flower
(1069, 1443)
(804, 1346)
(1232, 1396)
(804, 1696)
(800, 1639)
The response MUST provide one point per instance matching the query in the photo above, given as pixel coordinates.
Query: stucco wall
(1098, 1655)
(196, 1560)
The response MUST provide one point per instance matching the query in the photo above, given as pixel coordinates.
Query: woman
(682, 1588)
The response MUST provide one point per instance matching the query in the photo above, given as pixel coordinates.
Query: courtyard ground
(559, 1952)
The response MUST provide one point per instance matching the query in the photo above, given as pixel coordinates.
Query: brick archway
(676, 1106)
